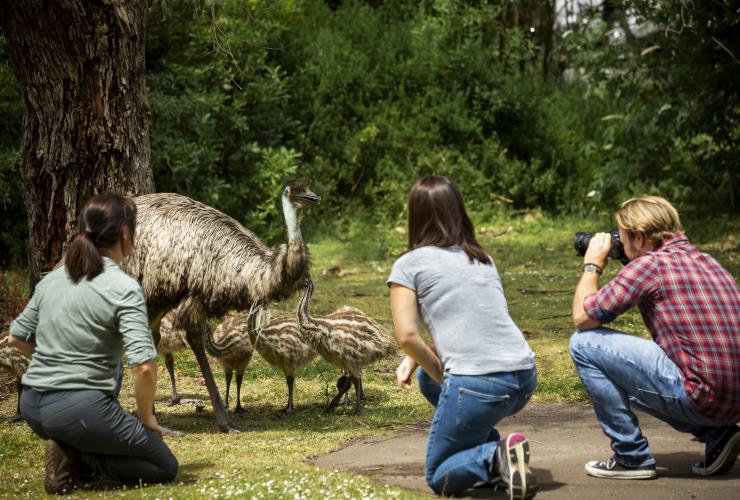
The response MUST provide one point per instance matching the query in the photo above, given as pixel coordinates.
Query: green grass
(271, 458)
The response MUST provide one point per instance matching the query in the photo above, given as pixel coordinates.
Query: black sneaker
(614, 470)
(512, 459)
(721, 457)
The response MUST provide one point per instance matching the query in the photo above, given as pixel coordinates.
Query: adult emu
(192, 255)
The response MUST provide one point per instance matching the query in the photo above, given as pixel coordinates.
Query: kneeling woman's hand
(150, 422)
(405, 371)
(145, 386)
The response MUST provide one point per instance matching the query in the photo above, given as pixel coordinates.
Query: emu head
(299, 195)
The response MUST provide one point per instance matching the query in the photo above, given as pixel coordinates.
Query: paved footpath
(563, 438)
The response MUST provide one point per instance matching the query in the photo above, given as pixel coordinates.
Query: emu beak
(307, 198)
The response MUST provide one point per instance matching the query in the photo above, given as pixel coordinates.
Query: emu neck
(305, 321)
(292, 221)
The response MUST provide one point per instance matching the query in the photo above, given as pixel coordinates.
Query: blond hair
(653, 216)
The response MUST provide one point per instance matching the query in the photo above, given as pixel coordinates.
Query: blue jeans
(462, 437)
(621, 372)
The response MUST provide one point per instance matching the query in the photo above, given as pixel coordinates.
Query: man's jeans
(462, 437)
(621, 372)
(112, 443)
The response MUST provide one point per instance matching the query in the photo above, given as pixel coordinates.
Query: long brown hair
(437, 217)
(100, 225)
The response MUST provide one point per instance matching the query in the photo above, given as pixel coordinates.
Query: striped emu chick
(171, 340)
(15, 363)
(281, 344)
(347, 338)
(233, 350)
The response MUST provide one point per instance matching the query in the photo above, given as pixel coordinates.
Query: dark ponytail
(100, 225)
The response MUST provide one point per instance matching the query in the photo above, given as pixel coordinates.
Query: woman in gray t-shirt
(480, 368)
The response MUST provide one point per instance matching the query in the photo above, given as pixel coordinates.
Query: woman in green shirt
(82, 317)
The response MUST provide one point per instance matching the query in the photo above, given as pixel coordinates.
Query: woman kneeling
(480, 368)
(82, 317)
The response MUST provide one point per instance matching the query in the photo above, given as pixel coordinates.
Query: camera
(616, 252)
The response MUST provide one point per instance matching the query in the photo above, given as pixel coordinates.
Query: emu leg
(357, 382)
(227, 375)
(195, 340)
(289, 379)
(362, 391)
(342, 389)
(18, 417)
(341, 382)
(169, 362)
(239, 410)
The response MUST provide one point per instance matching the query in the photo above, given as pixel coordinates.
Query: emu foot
(288, 409)
(175, 400)
(239, 410)
(18, 418)
(166, 431)
(229, 427)
(198, 403)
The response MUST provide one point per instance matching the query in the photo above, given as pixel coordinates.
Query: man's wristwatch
(591, 268)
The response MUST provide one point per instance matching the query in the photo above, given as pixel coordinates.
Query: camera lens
(582, 241)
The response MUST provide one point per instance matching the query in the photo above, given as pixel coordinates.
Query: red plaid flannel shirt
(691, 305)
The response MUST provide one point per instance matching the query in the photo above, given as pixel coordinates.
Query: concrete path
(564, 438)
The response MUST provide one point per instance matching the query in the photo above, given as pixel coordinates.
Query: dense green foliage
(361, 98)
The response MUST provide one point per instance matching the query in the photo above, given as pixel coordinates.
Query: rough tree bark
(80, 65)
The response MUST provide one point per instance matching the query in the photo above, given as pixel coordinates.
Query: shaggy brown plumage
(193, 256)
(15, 363)
(346, 338)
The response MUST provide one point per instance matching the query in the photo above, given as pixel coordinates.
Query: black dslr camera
(616, 252)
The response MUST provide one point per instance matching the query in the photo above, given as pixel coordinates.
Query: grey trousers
(112, 442)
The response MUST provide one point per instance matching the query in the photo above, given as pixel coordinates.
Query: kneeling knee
(575, 343)
(170, 470)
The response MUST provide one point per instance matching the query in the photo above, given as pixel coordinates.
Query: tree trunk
(80, 65)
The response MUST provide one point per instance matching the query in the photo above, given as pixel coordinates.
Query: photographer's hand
(596, 254)
(598, 250)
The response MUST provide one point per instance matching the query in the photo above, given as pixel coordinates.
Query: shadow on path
(563, 438)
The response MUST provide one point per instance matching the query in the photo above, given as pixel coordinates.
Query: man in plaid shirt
(689, 374)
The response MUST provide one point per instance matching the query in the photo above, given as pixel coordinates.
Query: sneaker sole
(725, 462)
(522, 483)
(636, 474)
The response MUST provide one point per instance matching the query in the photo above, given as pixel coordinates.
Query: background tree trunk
(80, 65)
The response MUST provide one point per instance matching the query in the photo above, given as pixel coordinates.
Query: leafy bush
(361, 98)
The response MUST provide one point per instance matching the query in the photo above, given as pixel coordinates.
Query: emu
(280, 343)
(15, 363)
(191, 255)
(171, 340)
(347, 338)
(233, 350)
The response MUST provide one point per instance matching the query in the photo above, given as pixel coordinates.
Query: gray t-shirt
(81, 330)
(463, 306)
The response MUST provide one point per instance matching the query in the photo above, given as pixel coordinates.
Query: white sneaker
(512, 459)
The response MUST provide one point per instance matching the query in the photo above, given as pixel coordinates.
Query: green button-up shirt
(82, 329)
